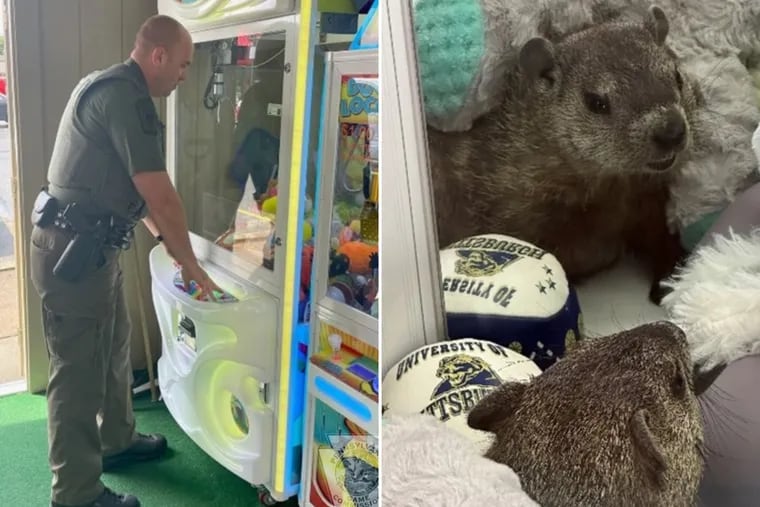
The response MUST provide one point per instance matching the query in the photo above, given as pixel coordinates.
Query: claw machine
(232, 372)
(341, 462)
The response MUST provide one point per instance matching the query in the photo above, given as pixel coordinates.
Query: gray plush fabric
(731, 412)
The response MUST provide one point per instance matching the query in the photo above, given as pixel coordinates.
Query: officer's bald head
(159, 31)
(164, 50)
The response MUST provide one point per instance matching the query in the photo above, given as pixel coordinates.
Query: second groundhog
(579, 157)
(614, 424)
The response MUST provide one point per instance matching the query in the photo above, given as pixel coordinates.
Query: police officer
(107, 172)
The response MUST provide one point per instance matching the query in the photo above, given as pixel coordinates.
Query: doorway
(11, 356)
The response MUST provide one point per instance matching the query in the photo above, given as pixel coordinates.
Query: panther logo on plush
(477, 263)
(463, 370)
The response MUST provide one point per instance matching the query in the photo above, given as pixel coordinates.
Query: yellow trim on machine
(301, 73)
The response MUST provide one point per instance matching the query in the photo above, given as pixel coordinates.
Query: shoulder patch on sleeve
(146, 112)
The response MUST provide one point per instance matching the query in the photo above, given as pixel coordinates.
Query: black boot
(109, 499)
(145, 448)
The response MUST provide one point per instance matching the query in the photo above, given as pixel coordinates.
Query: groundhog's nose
(672, 132)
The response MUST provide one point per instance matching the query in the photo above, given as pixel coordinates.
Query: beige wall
(51, 45)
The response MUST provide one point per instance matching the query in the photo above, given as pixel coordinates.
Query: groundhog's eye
(596, 103)
(679, 80)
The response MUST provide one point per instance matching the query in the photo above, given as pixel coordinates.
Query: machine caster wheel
(266, 499)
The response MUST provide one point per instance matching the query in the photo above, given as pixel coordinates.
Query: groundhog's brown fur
(569, 161)
(615, 423)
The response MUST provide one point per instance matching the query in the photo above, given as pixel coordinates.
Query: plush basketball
(501, 289)
(447, 379)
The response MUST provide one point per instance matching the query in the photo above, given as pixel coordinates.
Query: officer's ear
(159, 55)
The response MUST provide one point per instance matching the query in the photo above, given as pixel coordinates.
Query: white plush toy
(428, 464)
(466, 46)
(715, 297)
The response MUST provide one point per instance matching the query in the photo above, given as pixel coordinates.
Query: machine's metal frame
(412, 310)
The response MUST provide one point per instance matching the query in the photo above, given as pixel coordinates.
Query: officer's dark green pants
(89, 401)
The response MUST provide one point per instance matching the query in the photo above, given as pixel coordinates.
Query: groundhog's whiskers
(713, 75)
(725, 421)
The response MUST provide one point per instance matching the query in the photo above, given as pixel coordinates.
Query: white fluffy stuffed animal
(465, 47)
(428, 464)
(715, 297)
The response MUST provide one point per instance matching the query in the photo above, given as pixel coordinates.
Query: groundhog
(579, 156)
(615, 423)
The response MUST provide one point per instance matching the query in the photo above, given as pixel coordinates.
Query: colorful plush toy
(269, 206)
(194, 291)
(359, 255)
(269, 209)
(465, 47)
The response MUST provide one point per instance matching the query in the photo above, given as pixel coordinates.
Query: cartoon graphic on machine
(346, 471)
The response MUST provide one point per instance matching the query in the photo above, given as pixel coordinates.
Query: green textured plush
(450, 43)
(693, 234)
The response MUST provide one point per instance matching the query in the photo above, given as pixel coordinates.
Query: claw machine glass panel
(350, 273)
(230, 146)
(341, 465)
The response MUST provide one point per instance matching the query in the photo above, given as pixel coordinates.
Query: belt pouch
(45, 209)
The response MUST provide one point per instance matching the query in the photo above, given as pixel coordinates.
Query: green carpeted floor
(186, 477)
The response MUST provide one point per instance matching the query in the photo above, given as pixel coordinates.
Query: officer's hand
(204, 282)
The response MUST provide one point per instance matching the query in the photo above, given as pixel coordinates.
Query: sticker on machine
(274, 109)
(345, 469)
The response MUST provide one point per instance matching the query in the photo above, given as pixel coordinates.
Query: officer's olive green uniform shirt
(109, 132)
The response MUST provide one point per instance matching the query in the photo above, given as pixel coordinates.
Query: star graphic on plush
(548, 270)
(552, 284)
(541, 288)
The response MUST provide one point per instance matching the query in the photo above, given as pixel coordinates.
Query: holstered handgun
(85, 250)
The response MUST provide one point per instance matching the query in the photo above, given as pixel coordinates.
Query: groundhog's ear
(647, 449)
(537, 59)
(657, 24)
(494, 409)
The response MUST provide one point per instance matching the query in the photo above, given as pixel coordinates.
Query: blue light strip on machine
(345, 401)
(287, 408)
(357, 42)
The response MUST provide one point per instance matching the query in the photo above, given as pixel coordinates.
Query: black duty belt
(75, 218)
(119, 233)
